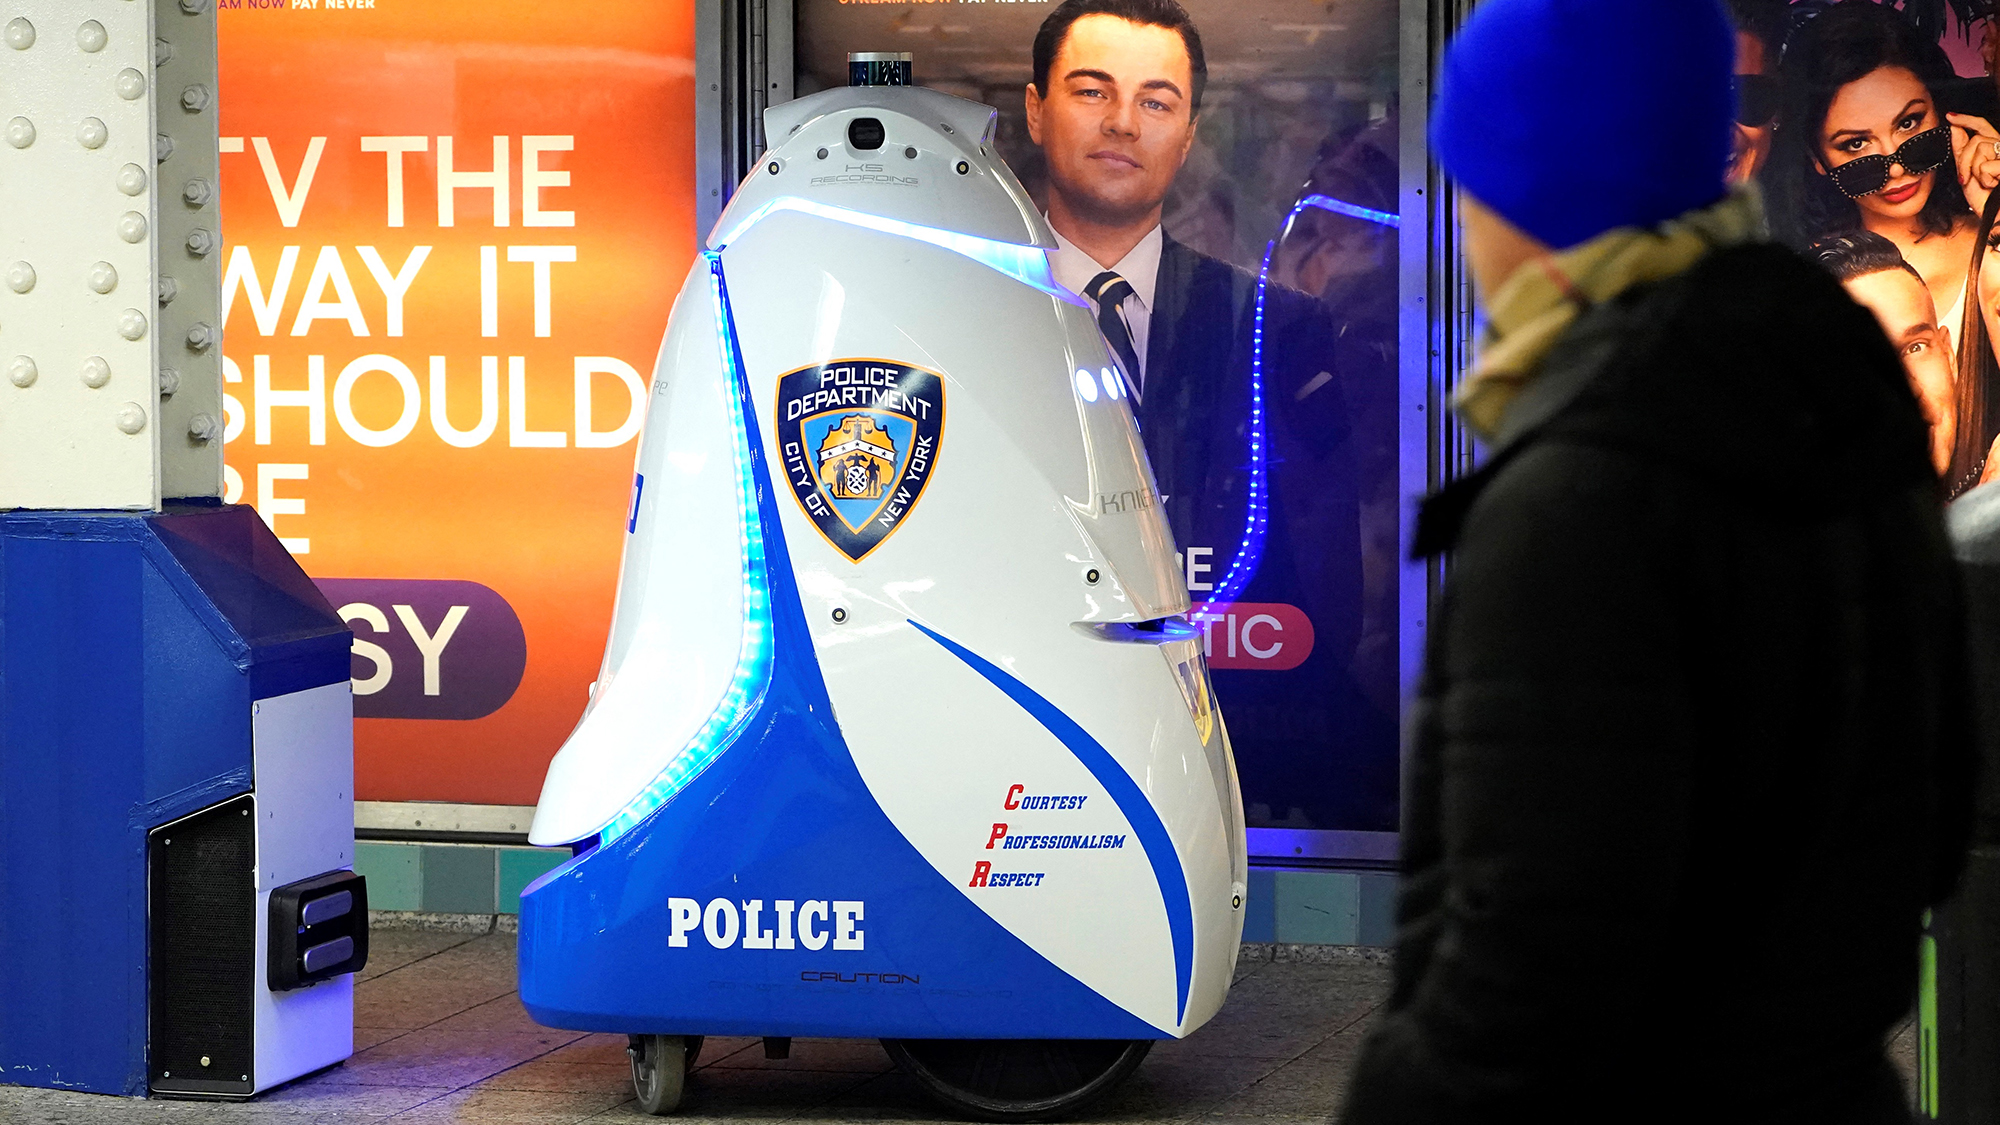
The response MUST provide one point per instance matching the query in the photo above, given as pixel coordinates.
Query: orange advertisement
(452, 232)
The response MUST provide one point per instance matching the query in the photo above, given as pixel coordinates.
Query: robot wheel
(1018, 1080)
(660, 1066)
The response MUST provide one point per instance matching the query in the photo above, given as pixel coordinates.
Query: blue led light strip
(1250, 550)
(1256, 521)
(1352, 210)
(754, 658)
(1028, 265)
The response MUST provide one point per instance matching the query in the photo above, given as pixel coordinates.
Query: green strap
(1927, 1023)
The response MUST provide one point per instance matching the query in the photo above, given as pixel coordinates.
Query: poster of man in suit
(1258, 331)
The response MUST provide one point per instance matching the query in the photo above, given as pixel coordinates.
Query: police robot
(901, 732)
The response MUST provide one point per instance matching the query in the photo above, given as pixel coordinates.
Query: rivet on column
(95, 372)
(132, 227)
(91, 133)
(103, 277)
(21, 372)
(20, 132)
(132, 324)
(91, 37)
(130, 419)
(130, 84)
(20, 33)
(20, 277)
(131, 179)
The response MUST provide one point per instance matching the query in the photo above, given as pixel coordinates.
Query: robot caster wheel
(660, 1066)
(1018, 1080)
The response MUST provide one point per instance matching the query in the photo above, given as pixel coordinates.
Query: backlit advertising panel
(1268, 352)
(1897, 201)
(453, 231)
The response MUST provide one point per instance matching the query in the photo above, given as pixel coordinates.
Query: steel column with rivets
(111, 118)
(188, 344)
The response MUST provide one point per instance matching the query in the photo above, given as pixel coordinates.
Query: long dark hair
(1928, 15)
(1977, 371)
(1845, 44)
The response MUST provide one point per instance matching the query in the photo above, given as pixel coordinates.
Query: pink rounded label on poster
(429, 649)
(1261, 636)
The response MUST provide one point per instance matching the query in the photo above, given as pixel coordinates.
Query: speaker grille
(203, 951)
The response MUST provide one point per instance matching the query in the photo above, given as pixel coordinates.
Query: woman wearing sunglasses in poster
(1866, 143)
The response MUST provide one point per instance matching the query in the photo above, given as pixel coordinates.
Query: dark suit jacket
(1196, 407)
(1288, 727)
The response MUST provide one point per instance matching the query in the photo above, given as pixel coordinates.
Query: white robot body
(984, 575)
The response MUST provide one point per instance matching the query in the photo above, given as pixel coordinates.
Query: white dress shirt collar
(1074, 269)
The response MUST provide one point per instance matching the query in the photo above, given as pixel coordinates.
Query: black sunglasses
(1866, 175)
(1756, 100)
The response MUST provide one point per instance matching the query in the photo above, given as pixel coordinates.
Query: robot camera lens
(963, 167)
(910, 153)
(866, 134)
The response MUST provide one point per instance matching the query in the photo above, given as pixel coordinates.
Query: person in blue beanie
(1691, 754)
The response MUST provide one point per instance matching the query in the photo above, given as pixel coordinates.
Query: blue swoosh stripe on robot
(1028, 265)
(752, 675)
(1125, 793)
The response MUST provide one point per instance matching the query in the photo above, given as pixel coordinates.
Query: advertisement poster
(453, 234)
(1273, 437)
(1870, 129)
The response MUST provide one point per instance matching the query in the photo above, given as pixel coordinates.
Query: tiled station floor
(441, 1037)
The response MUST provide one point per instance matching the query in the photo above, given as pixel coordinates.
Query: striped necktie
(1109, 291)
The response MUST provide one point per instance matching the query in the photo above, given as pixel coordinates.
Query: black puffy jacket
(1692, 753)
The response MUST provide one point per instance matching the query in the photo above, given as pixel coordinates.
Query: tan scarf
(1539, 302)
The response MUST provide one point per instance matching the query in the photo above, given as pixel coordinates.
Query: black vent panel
(203, 935)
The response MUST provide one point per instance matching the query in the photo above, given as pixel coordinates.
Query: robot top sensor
(900, 732)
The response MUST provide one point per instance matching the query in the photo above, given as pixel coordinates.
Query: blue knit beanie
(1572, 117)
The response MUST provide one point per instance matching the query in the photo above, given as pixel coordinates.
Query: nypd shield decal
(860, 441)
